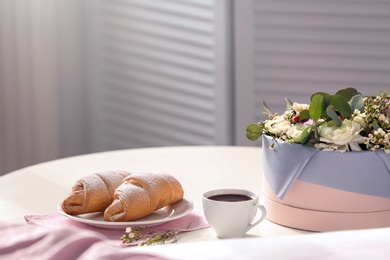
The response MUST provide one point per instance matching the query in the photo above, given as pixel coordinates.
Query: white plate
(168, 213)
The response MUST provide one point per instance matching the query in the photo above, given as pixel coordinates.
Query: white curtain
(28, 83)
(86, 76)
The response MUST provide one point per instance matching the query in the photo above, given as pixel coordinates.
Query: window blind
(156, 74)
(301, 46)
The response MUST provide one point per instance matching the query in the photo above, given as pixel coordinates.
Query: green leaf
(304, 115)
(319, 93)
(253, 132)
(357, 102)
(288, 103)
(306, 135)
(332, 123)
(348, 93)
(333, 115)
(266, 108)
(340, 103)
(376, 125)
(317, 107)
(316, 132)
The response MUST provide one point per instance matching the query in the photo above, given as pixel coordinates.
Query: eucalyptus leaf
(306, 135)
(348, 93)
(266, 108)
(324, 94)
(289, 104)
(357, 102)
(304, 115)
(333, 115)
(253, 132)
(317, 107)
(340, 103)
(316, 133)
(327, 100)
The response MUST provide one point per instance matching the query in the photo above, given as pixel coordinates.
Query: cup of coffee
(231, 212)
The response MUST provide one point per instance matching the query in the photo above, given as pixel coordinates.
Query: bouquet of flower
(345, 121)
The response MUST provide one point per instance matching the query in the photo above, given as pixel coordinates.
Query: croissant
(141, 194)
(93, 193)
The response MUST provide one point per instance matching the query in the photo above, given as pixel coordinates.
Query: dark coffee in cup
(230, 197)
(231, 212)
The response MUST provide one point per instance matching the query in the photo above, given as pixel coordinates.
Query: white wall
(29, 130)
(95, 75)
(292, 48)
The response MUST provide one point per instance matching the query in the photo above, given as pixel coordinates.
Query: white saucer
(168, 213)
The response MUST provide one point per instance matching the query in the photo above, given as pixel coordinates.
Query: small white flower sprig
(377, 117)
(344, 121)
(138, 233)
(145, 237)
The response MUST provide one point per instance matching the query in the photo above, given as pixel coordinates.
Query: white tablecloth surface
(39, 188)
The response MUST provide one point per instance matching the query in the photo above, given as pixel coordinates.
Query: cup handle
(263, 214)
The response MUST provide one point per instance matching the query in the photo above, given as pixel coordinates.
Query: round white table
(38, 189)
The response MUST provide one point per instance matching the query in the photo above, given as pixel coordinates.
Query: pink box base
(321, 198)
(313, 220)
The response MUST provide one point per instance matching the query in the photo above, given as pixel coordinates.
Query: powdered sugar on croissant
(93, 192)
(141, 194)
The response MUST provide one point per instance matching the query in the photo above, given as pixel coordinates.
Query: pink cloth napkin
(58, 237)
(22, 241)
(191, 222)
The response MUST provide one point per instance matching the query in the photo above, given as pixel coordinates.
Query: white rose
(331, 147)
(295, 132)
(359, 118)
(346, 133)
(300, 107)
(278, 125)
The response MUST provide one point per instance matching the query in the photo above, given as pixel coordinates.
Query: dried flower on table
(147, 238)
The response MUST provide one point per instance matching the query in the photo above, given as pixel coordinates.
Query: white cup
(231, 218)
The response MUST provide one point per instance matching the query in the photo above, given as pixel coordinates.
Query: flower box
(328, 166)
(311, 189)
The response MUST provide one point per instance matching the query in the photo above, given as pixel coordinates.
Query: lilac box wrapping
(365, 172)
(301, 180)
